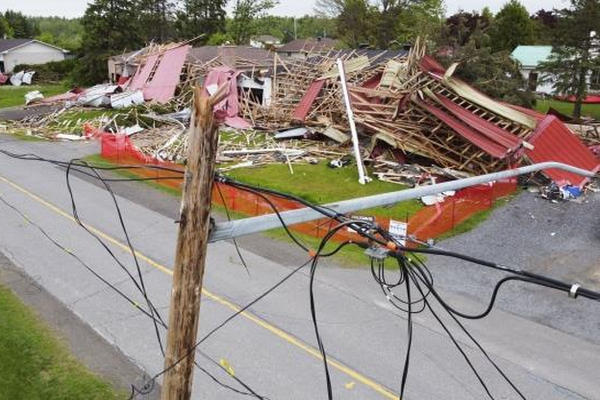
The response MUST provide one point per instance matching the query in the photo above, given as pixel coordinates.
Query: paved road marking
(251, 317)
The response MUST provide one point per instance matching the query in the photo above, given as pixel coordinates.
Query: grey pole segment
(247, 226)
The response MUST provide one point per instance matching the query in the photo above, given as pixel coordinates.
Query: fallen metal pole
(247, 226)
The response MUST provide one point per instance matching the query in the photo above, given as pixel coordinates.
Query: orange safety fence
(428, 222)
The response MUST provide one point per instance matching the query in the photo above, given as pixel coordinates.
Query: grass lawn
(11, 96)
(587, 110)
(34, 364)
(321, 184)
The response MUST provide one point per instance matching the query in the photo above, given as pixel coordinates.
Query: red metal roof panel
(486, 128)
(303, 107)
(553, 141)
(484, 143)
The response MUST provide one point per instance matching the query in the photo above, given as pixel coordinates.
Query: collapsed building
(408, 108)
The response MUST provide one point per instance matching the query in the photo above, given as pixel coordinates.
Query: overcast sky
(76, 8)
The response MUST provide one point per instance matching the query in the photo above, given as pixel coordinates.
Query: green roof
(531, 56)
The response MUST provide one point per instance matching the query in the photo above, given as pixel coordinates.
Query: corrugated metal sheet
(304, 106)
(483, 142)
(553, 141)
(166, 76)
(141, 76)
(486, 128)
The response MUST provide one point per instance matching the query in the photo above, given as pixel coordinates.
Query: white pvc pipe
(362, 177)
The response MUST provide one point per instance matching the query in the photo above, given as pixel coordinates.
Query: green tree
(155, 19)
(5, 29)
(512, 27)
(575, 50)
(21, 26)
(494, 73)
(244, 13)
(110, 27)
(545, 23)
(219, 38)
(423, 18)
(201, 17)
(459, 28)
(356, 23)
(62, 32)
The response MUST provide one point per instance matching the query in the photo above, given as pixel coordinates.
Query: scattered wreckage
(414, 119)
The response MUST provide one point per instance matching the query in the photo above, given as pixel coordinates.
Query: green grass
(587, 110)
(11, 96)
(34, 364)
(321, 184)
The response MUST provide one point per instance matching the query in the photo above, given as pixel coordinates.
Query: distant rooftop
(313, 45)
(255, 55)
(227, 54)
(531, 56)
(8, 44)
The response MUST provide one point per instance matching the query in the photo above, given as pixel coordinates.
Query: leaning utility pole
(194, 224)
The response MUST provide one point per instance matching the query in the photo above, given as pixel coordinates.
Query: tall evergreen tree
(5, 29)
(156, 20)
(201, 17)
(512, 27)
(21, 26)
(576, 47)
(110, 27)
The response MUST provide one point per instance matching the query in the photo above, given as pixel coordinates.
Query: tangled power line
(408, 286)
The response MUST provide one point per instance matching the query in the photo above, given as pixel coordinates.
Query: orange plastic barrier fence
(428, 222)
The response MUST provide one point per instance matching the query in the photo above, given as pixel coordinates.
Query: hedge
(54, 71)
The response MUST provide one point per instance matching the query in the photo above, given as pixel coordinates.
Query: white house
(27, 51)
(530, 58)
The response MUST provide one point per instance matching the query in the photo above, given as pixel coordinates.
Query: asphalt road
(273, 348)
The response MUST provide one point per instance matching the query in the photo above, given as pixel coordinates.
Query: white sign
(399, 231)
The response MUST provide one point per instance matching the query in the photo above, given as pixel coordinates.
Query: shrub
(54, 71)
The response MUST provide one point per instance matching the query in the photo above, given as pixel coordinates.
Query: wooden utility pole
(194, 225)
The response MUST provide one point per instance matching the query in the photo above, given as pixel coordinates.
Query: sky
(76, 8)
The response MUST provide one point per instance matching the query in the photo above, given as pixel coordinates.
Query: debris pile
(415, 119)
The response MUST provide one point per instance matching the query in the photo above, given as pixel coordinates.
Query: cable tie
(312, 253)
(573, 291)
(391, 245)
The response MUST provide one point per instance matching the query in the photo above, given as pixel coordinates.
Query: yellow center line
(249, 316)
